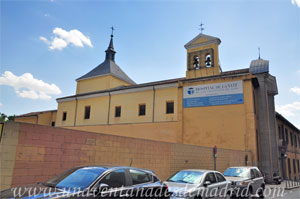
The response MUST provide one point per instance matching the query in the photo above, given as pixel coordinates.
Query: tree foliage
(4, 117)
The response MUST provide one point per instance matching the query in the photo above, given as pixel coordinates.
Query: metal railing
(291, 184)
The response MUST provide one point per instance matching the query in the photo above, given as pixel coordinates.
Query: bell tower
(203, 56)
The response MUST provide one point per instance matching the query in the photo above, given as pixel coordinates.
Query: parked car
(246, 181)
(94, 182)
(194, 183)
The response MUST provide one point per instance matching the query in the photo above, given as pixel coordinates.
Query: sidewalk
(285, 184)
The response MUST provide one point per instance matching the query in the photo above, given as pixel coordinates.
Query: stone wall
(32, 153)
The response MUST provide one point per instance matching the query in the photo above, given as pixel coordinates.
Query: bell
(208, 61)
(196, 62)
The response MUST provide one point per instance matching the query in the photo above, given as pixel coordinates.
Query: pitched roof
(32, 114)
(108, 67)
(210, 39)
(279, 116)
(105, 68)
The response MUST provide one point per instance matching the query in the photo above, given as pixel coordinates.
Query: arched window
(196, 62)
(208, 60)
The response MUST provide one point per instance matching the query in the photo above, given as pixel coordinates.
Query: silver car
(194, 183)
(246, 181)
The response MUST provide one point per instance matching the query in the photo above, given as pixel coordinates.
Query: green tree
(4, 117)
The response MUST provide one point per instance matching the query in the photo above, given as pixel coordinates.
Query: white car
(195, 183)
(246, 181)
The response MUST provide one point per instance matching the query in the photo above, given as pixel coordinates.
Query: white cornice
(92, 96)
(66, 99)
(129, 90)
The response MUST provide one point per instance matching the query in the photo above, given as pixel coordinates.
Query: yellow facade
(47, 118)
(99, 108)
(99, 83)
(30, 119)
(69, 108)
(226, 126)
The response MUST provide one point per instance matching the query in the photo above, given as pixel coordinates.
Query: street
(288, 194)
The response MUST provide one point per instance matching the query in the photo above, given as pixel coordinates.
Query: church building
(208, 107)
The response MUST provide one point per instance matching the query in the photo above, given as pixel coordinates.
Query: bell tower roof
(202, 40)
(108, 67)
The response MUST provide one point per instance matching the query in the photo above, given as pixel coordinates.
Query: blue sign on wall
(213, 94)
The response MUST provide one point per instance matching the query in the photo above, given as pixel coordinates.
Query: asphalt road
(287, 194)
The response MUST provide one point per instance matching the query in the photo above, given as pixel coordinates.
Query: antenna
(258, 52)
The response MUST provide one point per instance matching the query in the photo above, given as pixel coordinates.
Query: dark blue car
(94, 182)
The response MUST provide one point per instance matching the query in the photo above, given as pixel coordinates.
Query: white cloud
(296, 2)
(295, 90)
(63, 38)
(287, 110)
(26, 86)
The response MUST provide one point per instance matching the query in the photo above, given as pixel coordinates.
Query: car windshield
(81, 178)
(191, 177)
(237, 172)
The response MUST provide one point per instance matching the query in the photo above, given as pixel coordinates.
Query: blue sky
(149, 40)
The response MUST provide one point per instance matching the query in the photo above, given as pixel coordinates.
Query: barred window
(64, 117)
(170, 107)
(118, 111)
(87, 112)
(142, 109)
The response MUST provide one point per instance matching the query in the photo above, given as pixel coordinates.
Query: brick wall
(32, 153)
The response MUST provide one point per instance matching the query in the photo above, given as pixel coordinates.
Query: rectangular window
(282, 131)
(291, 138)
(279, 133)
(298, 166)
(170, 107)
(139, 177)
(289, 166)
(142, 109)
(64, 118)
(286, 136)
(118, 111)
(295, 138)
(87, 112)
(294, 164)
(52, 123)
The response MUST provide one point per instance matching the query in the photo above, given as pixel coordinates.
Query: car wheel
(228, 196)
(261, 191)
(249, 193)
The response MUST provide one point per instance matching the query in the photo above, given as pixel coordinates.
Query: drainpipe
(153, 104)
(108, 112)
(75, 117)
